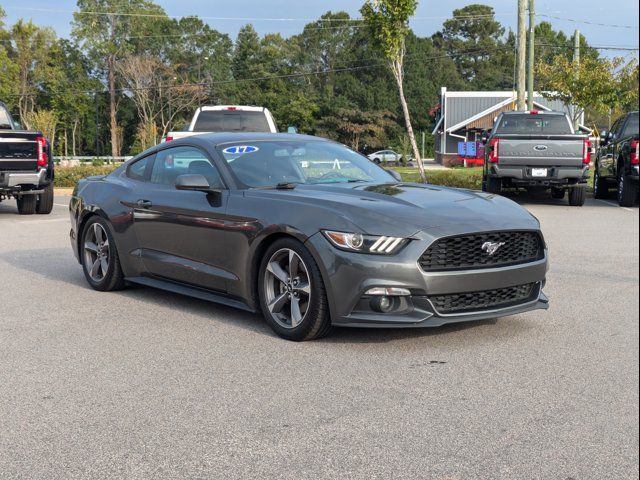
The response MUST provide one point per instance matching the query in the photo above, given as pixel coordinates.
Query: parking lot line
(613, 204)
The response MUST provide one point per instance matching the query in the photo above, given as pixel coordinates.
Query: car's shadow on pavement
(61, 266)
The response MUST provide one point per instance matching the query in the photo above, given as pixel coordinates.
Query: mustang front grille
(485, 300)
(482, 250)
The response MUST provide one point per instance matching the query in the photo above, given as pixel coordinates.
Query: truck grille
(485, 300)
(466, 252)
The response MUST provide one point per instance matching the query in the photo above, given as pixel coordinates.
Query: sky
(289, 16)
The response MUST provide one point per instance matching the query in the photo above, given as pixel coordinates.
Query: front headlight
(356, 242)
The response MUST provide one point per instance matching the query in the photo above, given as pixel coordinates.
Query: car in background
(618, 161)
(270, 223)
(385, 157)
(26, 167)
(227, 118)
(537, 150)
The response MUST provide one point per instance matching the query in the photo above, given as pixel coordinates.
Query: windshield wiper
(280, 186)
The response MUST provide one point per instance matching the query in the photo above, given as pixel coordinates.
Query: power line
(267, 77)
(587, 22)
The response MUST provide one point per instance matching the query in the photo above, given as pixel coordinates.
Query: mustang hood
(404, 209)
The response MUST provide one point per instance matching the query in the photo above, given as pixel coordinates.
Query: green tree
(598, 85)
(108, 37)
(475, 40)
(388, 21)
(29, 50)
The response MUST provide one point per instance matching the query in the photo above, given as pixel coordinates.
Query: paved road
(145, 384)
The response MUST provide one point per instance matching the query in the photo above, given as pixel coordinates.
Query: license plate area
(539, 172)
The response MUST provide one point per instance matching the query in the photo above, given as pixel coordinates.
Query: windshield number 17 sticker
(240, 149)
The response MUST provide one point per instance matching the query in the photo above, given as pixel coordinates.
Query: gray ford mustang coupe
(309, 232)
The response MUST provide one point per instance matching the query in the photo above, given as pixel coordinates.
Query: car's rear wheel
(577, 196)
(600, 186)
(100, 260)
(627, 191)
(27, 204)
(558, 193)
(45, 201)
(292, 294)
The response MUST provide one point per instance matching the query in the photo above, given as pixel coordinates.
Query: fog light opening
(385, 304)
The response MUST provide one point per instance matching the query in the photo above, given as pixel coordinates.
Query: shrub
(470, 178)
(69, 176)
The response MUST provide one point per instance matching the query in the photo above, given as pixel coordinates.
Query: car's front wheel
(292, 294)
(100, 260)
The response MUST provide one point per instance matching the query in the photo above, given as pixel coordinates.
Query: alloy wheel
(96, 252)
(287, 288)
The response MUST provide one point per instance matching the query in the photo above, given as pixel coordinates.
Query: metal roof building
(464, 115)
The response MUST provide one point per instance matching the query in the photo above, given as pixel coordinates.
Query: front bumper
(348, 276)
(522, 175)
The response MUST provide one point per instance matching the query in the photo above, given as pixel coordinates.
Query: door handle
(144, 204)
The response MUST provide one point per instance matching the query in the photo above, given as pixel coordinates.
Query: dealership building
(463, 116)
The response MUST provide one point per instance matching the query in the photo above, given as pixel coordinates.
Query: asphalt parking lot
(147, 384)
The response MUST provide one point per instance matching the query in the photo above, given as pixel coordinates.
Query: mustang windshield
(269, 163)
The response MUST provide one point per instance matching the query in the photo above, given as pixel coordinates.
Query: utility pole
(422, 145)
(522, 54)
(532, 41)
(576, 66)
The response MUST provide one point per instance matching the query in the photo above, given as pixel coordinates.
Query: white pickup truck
(227, 118)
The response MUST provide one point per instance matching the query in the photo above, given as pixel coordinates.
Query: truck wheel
(557, 193)
(45, 201)
(600, 186)
(577, 196)
(27, 204)
(493, 185)
(627, 191)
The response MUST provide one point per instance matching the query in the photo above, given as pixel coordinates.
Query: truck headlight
(357, 242)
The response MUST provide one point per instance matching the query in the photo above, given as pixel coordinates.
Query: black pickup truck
(537, 151)
(617, 162)
(26, 167)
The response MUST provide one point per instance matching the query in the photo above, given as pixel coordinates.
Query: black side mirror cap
(194, 182)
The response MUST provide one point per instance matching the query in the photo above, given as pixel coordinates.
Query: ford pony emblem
(492, 247)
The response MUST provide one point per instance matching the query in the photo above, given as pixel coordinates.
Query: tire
(27, 204)
(102, 279)
(277, 291)
(558, 193)
(577, 196)
(45, 201)
(493, 185)
(627, 191)
(600, 185)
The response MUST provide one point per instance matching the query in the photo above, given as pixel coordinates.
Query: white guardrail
(87, 160)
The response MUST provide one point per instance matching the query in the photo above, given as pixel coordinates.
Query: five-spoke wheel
(96, 252)
(99, 255)
(287, 288)
(292, 294)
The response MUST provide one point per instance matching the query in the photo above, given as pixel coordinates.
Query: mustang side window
(138, 170)
(173, 162)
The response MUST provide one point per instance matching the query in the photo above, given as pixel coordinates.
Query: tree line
(129, 73)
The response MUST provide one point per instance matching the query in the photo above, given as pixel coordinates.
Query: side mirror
(292, 130)
(485, 136)
(604, 136)
(395, 175)
(194, 182)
